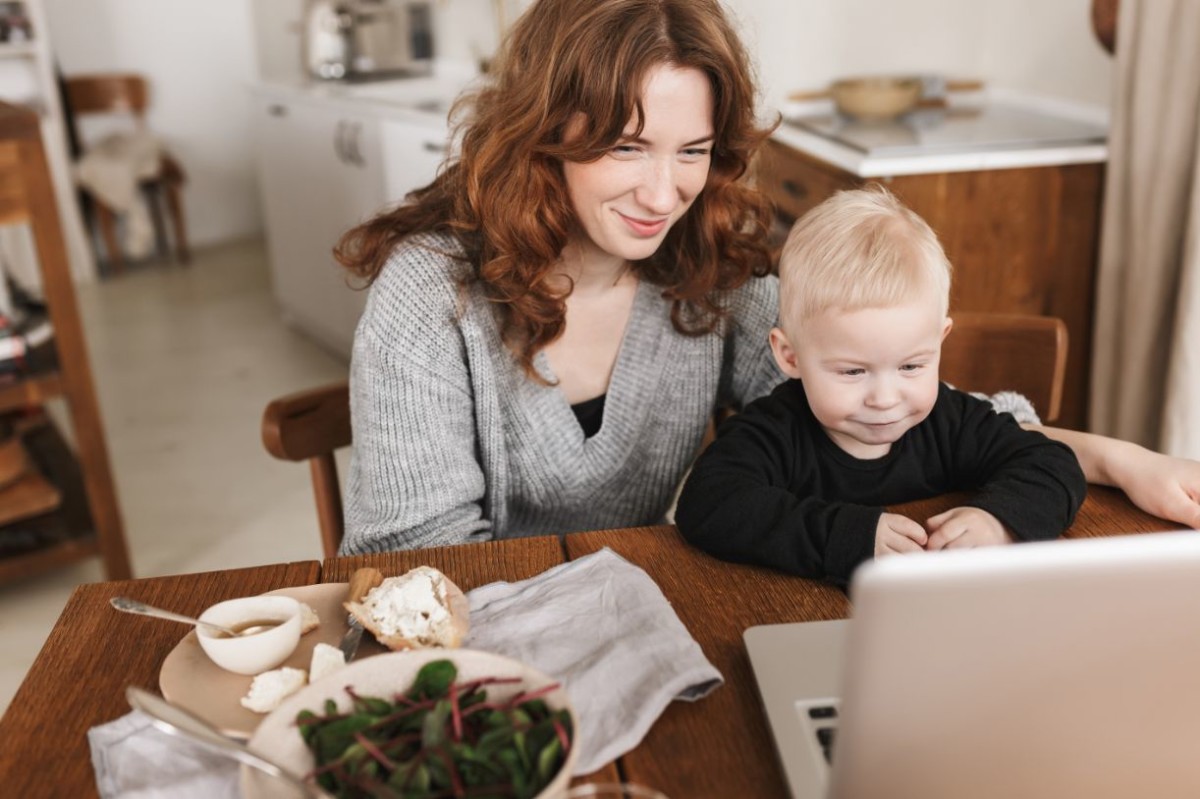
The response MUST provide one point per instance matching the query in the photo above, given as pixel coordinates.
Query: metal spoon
(177, 721)
(128, 605)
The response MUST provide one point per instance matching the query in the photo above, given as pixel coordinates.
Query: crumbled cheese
(326, 660)
(269, 689)
(412, 606)
(309, 620)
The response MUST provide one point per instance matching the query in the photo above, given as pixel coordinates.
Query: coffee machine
(361, 40)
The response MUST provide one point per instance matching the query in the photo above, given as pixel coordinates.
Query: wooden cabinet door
(1020, 240)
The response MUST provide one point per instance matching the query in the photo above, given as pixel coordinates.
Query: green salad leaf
(438, 739)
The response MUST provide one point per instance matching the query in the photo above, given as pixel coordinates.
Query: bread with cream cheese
(419, 609)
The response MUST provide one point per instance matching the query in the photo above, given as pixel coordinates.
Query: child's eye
(851, 372)
(911, 368)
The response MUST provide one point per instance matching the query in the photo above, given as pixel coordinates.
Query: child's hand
(964, 528)
(897, 534)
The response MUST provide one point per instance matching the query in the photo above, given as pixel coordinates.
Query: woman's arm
(1163, 485)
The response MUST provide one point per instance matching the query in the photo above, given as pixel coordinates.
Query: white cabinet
(325, 167)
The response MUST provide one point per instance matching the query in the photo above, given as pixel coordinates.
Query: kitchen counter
(996, 131)
(425, 99)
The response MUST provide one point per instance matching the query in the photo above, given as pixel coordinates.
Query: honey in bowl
(278, 618)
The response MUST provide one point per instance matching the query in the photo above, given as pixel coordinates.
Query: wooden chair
(993, 352)
(127, 94)
(311, 426)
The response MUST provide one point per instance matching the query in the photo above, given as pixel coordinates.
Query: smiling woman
(553, 320)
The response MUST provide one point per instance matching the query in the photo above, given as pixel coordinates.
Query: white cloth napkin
(599, 624)
(134, 759)
(112, 169)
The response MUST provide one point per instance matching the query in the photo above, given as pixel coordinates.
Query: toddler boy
(798, 481)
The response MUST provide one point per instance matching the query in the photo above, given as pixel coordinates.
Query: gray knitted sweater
(453, 443)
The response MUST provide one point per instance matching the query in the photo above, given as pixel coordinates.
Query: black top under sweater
(774, 489)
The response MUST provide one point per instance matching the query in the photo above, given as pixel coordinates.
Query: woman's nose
(658, 191)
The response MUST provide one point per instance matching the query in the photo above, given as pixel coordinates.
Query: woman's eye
(695, 153)
(624, 150)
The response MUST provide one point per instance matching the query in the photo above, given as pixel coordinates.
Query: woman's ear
(785, 354)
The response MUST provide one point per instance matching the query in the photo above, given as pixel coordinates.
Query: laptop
(1055, 669)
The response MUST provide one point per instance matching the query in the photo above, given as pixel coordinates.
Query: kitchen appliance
(360, 40)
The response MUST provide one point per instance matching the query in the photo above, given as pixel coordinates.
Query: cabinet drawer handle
(277, 110)
(797, 190)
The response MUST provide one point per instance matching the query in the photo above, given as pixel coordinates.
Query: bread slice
(269, 689)
(419, 609)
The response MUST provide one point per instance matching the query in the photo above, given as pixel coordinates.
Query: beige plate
(278, 739)
(189, 679)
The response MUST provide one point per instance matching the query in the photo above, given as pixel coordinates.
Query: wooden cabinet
(323, 168)
(1022, 240)
(88, 523)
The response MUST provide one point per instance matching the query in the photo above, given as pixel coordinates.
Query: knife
(362, 581)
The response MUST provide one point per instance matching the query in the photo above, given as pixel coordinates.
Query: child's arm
(752, 498)
(1032, 485)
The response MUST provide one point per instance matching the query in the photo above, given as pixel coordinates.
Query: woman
(553, 320)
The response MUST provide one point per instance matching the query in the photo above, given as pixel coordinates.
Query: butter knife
(362, 581)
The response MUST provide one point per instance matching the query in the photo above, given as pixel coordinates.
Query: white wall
(201, 54)
(1043, 47)
(199, 57)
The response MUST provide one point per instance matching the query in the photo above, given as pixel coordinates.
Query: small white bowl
(258, 652)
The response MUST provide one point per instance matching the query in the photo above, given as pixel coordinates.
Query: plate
(192, 681)
(278, 739)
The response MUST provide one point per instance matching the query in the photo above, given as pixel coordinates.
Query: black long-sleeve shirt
(774, 489)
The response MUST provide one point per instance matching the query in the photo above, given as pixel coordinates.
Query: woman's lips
(641, 227)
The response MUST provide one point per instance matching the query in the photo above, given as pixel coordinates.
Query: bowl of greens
(420, 723)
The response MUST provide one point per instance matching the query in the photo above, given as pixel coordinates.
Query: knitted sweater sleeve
(414, 478)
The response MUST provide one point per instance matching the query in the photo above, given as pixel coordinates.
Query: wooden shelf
(88, 522)
(62, 536)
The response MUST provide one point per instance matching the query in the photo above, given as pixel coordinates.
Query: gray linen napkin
(601, 626)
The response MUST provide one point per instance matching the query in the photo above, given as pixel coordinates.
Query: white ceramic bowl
(278, 738)
(259, 652)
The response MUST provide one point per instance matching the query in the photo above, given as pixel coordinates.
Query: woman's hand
(1163, 485)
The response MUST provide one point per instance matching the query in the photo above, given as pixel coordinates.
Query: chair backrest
(311, 426)
(993, 352)
(107, 93)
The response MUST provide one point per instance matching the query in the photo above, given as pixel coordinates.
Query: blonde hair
(859, 249)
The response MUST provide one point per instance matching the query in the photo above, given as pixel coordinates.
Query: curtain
(1146, 352)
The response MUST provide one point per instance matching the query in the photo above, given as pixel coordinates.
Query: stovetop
(924, 131)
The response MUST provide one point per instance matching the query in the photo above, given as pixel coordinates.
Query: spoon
(175, 720)
(128, 605)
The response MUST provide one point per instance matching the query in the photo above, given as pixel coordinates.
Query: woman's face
(628, 199)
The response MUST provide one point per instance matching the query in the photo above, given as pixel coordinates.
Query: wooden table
(717, 747)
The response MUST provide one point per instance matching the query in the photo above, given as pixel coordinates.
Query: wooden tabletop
(717, 747)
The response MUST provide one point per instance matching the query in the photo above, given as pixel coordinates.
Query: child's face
(870, 375)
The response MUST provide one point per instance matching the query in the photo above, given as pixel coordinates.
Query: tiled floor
(184, 360)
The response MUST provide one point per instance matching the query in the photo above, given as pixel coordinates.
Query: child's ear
(947, 327)
(785, 355)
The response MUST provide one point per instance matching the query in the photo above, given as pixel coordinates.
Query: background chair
(311, 426)
(986, 352)
(128, 95)
(993, 352)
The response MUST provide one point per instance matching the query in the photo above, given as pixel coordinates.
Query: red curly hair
(504, 197)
